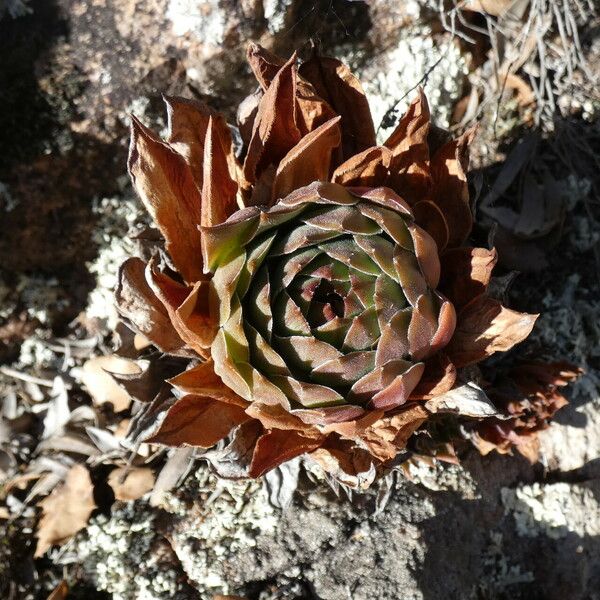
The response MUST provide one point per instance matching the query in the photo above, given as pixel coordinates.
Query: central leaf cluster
(321, 292)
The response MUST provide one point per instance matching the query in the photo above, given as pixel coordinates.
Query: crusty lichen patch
(225, 520)
(118, 216)
(554, 510)
(121, 554)
(501, 572)
(441, 476)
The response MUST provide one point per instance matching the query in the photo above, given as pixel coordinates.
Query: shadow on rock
(49, 172)
(515, 539)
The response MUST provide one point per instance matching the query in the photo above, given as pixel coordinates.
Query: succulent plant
(320, 284)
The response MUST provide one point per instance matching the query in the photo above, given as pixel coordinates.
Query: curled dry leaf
(485, 327)
(102, 387)
(466, 400)
(165, 182)
(66, 510)
(131, 483)
(198, 421)
(142, 309)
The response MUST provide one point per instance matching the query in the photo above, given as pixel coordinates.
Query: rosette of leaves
(320, 285)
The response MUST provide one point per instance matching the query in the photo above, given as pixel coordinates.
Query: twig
(25, 377)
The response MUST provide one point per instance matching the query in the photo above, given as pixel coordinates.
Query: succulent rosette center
(326, 301)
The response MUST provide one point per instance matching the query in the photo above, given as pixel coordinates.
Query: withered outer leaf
(466, 400)
(275, 129)
(264, 64)
(450, 189)
(137, 303)
(439, 377)
(485, 327)
(335, 83)
(278, 446)
(307, 161)
(187, 122)
(165, 183)
(201, 380)
(466, 273)
(197, 421)
(220, 186)
(370, 168)
(66, 510)
(187, 308)
(313, 110)
(409, 165)
(352, 466)
(390, 434)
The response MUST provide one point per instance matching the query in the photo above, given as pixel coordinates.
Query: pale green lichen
(120, 553)
(554, 509)
(118, 216)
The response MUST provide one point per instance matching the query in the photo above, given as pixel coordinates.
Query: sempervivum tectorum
(320, 282)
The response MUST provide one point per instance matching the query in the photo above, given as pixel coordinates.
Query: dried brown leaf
(66, 510)
(220, 187)
(197, 421)
(467, 400)
(131, 483)
(278, 446)
(346, 463)
(466, 273)
(275, 129)
(307, 161)
(165, 183)
(369, 168)
(450, 189)
(187, 308)
(409, 165)
(137, 303)
(102, 387)
(335, 84)
(187, 122)
(485, 327)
